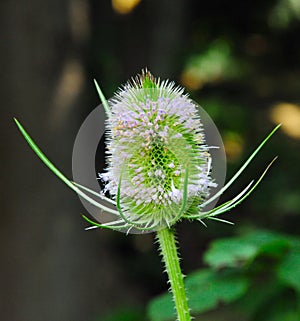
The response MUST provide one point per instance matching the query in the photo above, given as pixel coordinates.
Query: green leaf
(206, 289)
(231, 252)
(258, 297)
(241, 250)
(161, 308)
(269, 243)
(280, 307)
(264, 237)
(289, 269)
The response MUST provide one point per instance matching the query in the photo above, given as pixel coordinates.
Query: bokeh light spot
(124, 6)
(288, 115)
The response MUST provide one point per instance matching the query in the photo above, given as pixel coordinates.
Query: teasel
(158, 164)
(158, 169)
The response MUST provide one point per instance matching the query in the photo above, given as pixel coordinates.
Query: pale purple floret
(149, 149)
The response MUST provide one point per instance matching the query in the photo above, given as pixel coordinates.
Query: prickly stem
(168, 248)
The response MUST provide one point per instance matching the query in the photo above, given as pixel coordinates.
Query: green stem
(168, 249)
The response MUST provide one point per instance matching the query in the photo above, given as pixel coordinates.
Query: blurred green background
(240, 60)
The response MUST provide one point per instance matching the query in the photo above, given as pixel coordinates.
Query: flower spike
(154, 131)
(159, 166)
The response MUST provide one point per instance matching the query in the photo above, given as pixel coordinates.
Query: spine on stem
(169, 253)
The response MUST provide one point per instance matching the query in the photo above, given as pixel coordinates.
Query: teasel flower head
(158, 162)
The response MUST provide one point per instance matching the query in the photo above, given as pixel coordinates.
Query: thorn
(220, 220)
(202, 222)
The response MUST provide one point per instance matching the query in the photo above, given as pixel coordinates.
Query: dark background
(238, 59)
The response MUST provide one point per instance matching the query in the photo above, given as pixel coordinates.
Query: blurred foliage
(284, 13)
(257, 272)
(210, 66)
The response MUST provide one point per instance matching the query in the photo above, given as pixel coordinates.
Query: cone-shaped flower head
(158, 163)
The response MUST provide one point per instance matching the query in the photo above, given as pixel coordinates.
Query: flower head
(157, 156)
(159, 165)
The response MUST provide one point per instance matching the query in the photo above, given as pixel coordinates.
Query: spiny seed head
(157, 157)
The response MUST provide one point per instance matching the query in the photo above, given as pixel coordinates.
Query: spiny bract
(158, 162)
